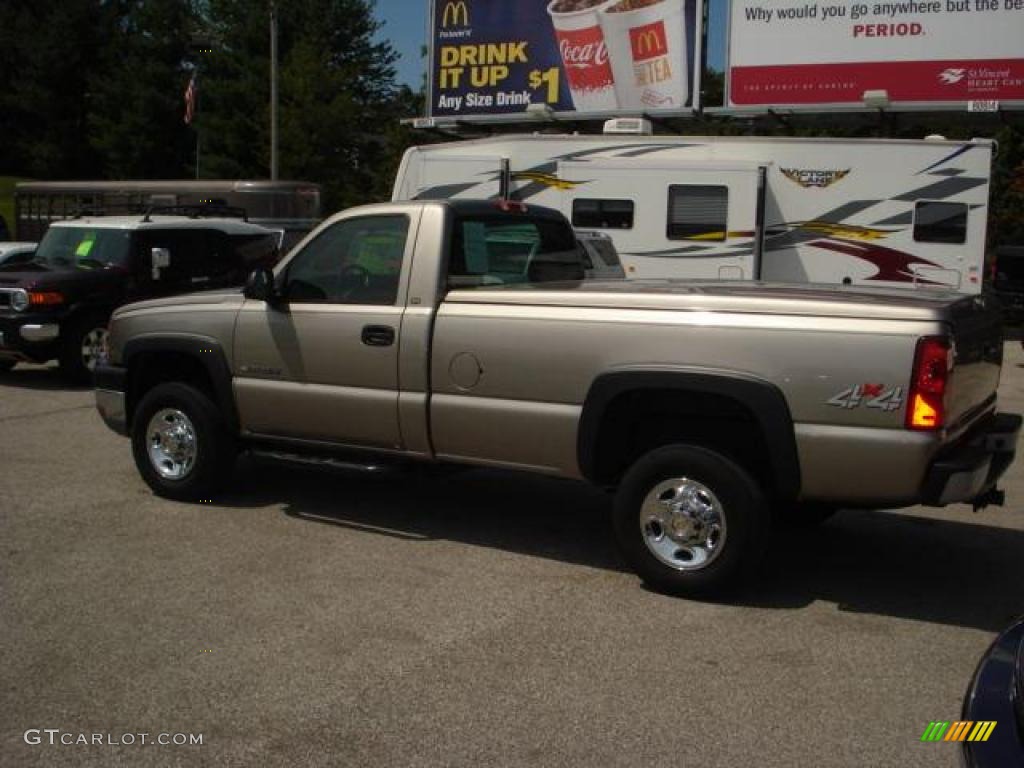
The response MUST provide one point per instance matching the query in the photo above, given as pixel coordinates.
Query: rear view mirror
(160, 258)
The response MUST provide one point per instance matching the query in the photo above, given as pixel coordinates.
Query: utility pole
(273, 91)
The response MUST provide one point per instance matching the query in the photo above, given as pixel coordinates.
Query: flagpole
(273, 90)
(196, 114)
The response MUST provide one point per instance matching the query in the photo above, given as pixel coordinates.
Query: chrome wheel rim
(683, 524)
(171, 443)
(94, 348)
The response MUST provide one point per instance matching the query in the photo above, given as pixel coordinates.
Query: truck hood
(760, 298)
(220, 296)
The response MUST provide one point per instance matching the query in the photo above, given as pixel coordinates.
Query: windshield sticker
(85, 247)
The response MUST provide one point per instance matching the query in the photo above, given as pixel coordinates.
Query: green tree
(49, 57)
(339, 106)
(136, 108)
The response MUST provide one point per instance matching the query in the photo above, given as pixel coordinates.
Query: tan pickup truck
(463, 332)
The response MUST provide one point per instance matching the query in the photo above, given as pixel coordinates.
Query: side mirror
(260, 286)
(160, 258)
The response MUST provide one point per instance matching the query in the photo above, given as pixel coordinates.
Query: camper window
(940, 222)
(602, 214)
(697, 212)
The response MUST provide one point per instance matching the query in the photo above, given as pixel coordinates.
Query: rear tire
(690, 521)
(7, 365)
(181, 446)
(82, 347)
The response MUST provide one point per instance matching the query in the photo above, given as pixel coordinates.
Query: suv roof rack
(197, 210)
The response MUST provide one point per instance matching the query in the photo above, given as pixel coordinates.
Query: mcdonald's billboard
(600, 58)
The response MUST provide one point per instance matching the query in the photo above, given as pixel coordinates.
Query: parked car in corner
(17, 253)
(57, 305)
(994, 705)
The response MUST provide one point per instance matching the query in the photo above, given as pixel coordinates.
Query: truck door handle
(378, 335)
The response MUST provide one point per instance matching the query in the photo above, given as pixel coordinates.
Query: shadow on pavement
(958, 573)
(38, 377)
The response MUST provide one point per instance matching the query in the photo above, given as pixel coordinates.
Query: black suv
(57, 306)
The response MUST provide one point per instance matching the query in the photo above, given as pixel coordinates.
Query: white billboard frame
(783, 108)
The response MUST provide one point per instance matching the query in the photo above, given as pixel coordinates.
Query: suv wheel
(180, 443)
(690, 521)
(83, 347)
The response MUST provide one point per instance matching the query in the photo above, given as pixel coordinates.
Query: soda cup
(647, 45)
(584, 53)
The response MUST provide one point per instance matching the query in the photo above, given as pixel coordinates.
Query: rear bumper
(969, 472)
(110, 397)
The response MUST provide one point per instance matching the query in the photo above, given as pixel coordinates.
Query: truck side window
(356, 261)
(602, 214)
(497, 250)
(936, 222)
(697, 212)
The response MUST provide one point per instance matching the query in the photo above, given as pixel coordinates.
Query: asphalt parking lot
(475, 619)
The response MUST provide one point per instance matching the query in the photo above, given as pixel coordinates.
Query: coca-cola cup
(647, 46)
(584, 53)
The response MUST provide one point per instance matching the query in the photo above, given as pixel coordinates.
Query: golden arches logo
(456, 14)
(648, 41)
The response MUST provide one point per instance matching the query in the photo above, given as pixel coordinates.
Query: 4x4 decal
(870, 396)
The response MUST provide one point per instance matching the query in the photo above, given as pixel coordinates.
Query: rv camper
(846, 211)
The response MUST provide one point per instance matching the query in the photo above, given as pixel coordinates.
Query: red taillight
(926, 405)
(45, 298)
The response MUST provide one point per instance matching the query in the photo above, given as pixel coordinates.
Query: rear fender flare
(761, 398)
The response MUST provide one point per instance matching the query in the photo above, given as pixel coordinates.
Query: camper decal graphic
(549, 180)
(845, 231)
(893, 265)
(811, 178)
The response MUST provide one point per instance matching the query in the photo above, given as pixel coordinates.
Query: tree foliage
(94, 89)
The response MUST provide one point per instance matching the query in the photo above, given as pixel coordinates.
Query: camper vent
(634, 126)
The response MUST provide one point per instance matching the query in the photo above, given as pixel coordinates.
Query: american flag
(190, 99)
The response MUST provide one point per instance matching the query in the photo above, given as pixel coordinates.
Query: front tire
(181, 446)
(690, 521)
(82, 348)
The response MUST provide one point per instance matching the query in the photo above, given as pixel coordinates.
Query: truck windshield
(83, 248)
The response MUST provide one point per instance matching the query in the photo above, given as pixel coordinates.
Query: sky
(405, 26)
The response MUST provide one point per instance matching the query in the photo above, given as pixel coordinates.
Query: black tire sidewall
(214, 450)
(72, 367)
(743, 504)
(7, 365)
